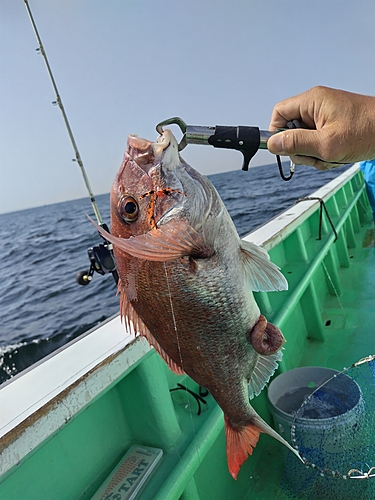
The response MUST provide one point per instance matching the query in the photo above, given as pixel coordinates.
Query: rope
(322, 206)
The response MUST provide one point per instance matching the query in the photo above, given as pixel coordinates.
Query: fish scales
(205, 326)
(186, 281)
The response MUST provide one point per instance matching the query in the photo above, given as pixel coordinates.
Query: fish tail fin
(242, 441)
(240, 444)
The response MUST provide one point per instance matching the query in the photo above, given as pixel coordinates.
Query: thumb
(296, 142)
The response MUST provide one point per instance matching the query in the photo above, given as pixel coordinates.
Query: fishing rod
(100, 256)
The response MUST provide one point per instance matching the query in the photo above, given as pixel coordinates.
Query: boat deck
(349, 335)
(77, 413)
(349, 319)
(338, 309)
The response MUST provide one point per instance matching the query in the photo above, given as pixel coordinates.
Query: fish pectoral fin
(262, 274)
(265, 367)
(130, 315)
(170, 241)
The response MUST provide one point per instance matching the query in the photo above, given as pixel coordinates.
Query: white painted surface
(80, 366)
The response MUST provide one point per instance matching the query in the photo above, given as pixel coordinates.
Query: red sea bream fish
(186, 281)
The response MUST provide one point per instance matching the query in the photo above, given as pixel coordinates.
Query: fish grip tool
(245, 139)
(333, 433)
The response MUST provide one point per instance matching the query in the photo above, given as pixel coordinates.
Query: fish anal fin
(265, 337)
(240, 444)
(129, 315)
(262, 274)
(263, 370)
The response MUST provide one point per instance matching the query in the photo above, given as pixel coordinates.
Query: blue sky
(122, 66)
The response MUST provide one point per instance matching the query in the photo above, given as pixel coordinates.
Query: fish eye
(128, 208)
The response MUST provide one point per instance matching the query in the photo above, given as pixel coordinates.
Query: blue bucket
(289, 390)
(322, 421)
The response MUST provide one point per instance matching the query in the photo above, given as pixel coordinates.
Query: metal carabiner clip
(176, 120)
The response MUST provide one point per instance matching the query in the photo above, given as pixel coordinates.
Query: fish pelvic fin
(168, 242)
(262, 274)
(240, 444)
(129, 315)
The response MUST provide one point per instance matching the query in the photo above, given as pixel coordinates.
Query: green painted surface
(327, 317)
(62, 468)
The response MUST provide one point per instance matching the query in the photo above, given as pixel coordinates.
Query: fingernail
(275, 144)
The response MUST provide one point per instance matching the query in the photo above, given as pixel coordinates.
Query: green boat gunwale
(277, 229)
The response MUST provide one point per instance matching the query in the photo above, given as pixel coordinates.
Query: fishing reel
(102, 262)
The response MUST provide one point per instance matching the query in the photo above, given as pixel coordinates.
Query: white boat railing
(278, 228)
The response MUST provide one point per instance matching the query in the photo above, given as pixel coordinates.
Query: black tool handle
(241, 138)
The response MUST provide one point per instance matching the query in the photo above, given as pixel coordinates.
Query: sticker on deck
(131, 474)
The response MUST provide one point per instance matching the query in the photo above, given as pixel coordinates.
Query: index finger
(293, 108)
(278, 120)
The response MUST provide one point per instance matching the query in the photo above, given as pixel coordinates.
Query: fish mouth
(147, 154)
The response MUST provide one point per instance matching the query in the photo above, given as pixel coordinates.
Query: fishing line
(173, 316)
(58, 101)
(180, 355)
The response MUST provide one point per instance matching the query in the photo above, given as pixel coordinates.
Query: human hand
(340, 128)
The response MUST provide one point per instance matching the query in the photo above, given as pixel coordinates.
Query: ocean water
(41, 305)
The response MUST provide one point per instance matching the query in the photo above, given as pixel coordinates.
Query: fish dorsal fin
(262, 274)
(129, 314)
(168, 242)
(264, 369)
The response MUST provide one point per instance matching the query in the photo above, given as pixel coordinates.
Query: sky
(122, 66)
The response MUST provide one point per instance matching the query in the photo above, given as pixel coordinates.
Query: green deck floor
(349, 319)
(349, 331)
